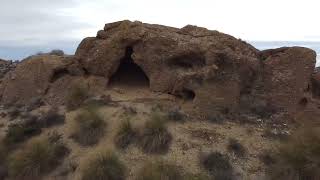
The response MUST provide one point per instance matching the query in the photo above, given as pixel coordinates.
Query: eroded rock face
(214, 72)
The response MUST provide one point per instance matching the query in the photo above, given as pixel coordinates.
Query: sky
(30, 26)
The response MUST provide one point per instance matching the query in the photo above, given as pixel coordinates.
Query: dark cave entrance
(129, 73)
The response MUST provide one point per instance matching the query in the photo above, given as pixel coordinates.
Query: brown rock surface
(32, 78)
(217, 73)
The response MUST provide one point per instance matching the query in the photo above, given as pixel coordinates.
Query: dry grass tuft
(159, 170)
(218, 166)
(39, 156)
(155, 137)
(299, 157)
(77, 94)
(103, 165)
(125, 135)
(88, 127)
(236, 147)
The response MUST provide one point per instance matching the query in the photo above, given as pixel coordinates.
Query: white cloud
(42, 22)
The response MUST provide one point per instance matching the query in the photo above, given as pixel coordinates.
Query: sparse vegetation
(159, 170)
(13, 113)
(52, 117)
(104, 165)
(39, 156)
(88, 127)
(77, 94)
(236, 147)
(299, 157)
(125, 135)
(3, 162)
(155, 137)
(267, 158)
(218, 166)
(176, 115)
(21, 131)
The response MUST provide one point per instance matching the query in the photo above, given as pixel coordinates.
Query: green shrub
(77, 94)
(159, 170)
(218, 166)
(155, 137)
(38, 157)
(298, 157)
(236, 147)
(88, 127)
(104, 165)
(125, 135)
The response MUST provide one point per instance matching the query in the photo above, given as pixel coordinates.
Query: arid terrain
(143, 101)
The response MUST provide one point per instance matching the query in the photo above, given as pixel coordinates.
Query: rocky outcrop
(216, 73)
(6, 66)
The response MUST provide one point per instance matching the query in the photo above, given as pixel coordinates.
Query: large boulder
(32, 78)
(216, 74)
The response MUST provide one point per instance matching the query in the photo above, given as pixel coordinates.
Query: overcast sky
(35, 25)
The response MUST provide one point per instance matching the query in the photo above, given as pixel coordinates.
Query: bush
(176, 115)
(3, 163)
(57, 52)
(14, 113)
(88, 127)
(125, 134)
(159, 170)
(20, 132)
(52, 117)
(236, 147)
(104, 165)
(299, 157)
(77, 94)
(218, 165)
(38, 157)
(155, 137)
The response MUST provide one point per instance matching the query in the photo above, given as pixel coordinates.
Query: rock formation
(216, 73)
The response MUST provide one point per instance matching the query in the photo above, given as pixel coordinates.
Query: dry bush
(155, 137)
(103, 165)
(14, 112)
(77, 94)
(218, 166)
(38, 157)
(51, 118)
(159, 170)
(299, 157)
(21, 131)
(236, 147)
(125, 134)
(3, 161)
(176, 115)
(88, 127)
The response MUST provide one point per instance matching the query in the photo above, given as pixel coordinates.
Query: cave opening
(129, 73)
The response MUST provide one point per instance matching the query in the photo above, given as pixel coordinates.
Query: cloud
(37, 22)
(48, 23)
